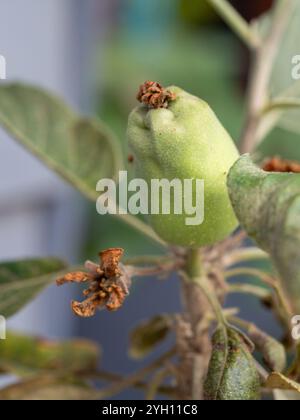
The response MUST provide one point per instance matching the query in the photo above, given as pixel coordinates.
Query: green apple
(185, 140)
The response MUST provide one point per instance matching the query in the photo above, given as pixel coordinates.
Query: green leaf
(282, 84)
(61, 392)
(268, 207)
(81, 150)
(49, 387)
(22, 354)
(278, 381)
(146, 336)
(273, 352)
(232, 374)
(21, 281)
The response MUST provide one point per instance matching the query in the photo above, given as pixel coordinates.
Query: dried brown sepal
(154, 95)
(109, 284)
(124, 281)
(110, 259)
(85, 309)
(76, 277)
(116, 298)
(91, 289)
(277, 164)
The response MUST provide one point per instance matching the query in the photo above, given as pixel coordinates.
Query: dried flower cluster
(154, 95)
(277, 164)
(108, 283)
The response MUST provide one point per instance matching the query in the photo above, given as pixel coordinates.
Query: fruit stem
(194, 266)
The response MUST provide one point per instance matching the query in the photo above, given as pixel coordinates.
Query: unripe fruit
(183, 139)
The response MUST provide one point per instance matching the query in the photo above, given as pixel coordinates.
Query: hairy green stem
(136, 377)
(261, 74)
(237, 23)
(210, 295)
(149, 260)
(251, 289)
(245, 254)
(282, 104)
(283, 303)
(155, 383)
(105, 376)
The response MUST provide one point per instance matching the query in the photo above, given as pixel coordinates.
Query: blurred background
(95, 54)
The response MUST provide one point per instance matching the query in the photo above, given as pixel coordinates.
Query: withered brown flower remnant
(108, 283)
(277, 164)
(154, 95)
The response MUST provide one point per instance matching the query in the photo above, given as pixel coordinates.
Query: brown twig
(164, 268)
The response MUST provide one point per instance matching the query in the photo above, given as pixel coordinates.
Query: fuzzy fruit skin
(186, 141)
